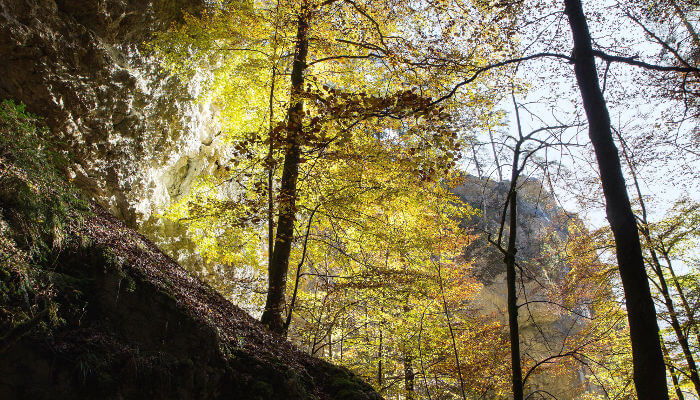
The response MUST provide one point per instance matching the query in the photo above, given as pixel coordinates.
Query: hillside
(92, 309)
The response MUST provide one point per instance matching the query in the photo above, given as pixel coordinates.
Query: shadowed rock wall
(136, 134)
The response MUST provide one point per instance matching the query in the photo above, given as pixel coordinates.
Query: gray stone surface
(83, 66)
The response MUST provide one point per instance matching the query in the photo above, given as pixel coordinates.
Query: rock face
(541, 223)
(135, 134)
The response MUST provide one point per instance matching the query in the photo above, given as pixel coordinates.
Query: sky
(551, 98)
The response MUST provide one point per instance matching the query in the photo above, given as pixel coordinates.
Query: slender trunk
(420, 357)
(675, 324)
(476, 162)
(342, 339)
(649, 368)
(271, 148)
(380, 355)
(517, 373)
(495, 156)
(279, 263)
(297, 278)
(684, 300)
(270, 175)
(673, 373)
(446, 309)
(509, 259)
(408, 374)
(330, 344)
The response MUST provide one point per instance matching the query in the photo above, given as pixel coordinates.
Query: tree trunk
(380, 356)
(342, 338)
(517, 373)
(279, 263)
(330, 344)
(673, 373)
(408, 374)
(649, 368)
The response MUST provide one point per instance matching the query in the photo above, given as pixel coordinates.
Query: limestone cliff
(137, 137)
(134, 132)
(542, 232)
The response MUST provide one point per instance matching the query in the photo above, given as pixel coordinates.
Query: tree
(649, 367)
(651, 248)
(353, 64)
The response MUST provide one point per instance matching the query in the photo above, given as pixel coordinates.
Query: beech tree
(306, 87)
(350, 65)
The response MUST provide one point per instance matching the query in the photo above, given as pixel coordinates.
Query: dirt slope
(137, 325)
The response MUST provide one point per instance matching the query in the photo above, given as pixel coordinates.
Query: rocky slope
(136, 325)
(91, 309)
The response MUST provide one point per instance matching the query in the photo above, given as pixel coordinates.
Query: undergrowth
(39, 210)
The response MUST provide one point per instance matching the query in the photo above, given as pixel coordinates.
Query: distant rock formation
(543, 229)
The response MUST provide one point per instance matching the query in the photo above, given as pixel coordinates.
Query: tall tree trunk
(649, 368)
(516, 369)
(446, 309)
(509, 259)
(380, 357)
(279, 263)
(271, 148)
(342, 338)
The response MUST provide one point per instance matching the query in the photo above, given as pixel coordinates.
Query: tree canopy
(333, 210)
